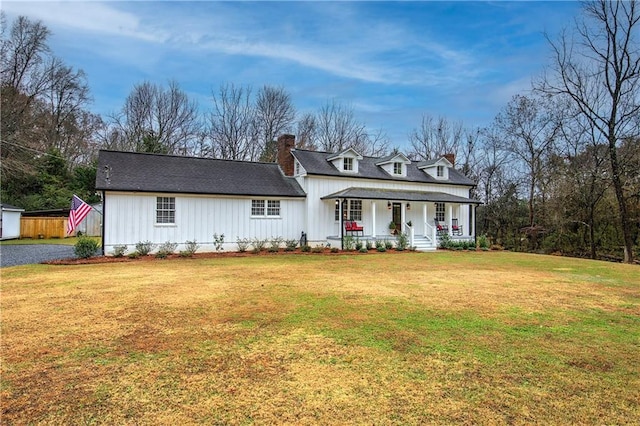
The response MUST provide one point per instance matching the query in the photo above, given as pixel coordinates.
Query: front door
(396, 215)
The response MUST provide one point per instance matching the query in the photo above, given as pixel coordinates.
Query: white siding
(131, 218)
(10, 224)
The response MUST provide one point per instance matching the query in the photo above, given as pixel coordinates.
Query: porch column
(450, 217)
(373, 219)
(424, 218)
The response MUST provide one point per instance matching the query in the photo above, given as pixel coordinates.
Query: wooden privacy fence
(43, 227)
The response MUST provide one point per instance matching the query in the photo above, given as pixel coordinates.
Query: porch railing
(429, 232)
(409, 231)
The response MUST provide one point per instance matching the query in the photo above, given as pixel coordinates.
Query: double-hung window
(347, 164)
(397, 168)
(440, 171)
(440, 212)
(355, 209)
(166, 210)
(265, 208)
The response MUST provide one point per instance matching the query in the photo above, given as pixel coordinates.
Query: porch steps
(422, 244)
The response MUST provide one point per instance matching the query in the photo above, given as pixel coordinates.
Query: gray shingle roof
(315, 163)
(399, 195)
(129, 171)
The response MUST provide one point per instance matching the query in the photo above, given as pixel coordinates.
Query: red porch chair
(350, 226)
(455, 228)
(441, 228)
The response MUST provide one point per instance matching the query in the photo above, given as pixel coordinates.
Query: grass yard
(436, 338)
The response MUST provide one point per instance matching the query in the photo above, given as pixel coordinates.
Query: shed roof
(141, 172)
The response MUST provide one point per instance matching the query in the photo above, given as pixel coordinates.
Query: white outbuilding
(10, 222)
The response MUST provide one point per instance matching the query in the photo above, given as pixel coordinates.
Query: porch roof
(399, 195)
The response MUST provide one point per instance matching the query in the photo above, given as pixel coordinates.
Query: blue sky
(391, 61)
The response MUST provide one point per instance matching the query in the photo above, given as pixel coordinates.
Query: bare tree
(307, 132)
(434, 138)
(24, 52)
(529, 129)
(274, 115)
(232, 127)
(337, 129)
(600, 74)
(66, 125)
(154, 119)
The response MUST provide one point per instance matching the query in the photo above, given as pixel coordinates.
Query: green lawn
(434, 338)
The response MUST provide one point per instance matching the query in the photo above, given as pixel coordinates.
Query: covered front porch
(423, 217)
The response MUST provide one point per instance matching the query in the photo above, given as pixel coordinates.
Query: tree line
(558, 169)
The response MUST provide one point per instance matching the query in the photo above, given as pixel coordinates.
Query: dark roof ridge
(191, 157)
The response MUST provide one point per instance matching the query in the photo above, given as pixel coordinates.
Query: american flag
(79, 210)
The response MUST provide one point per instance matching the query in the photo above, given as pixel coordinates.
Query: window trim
(440, 171)
(165, 206)
(397, 168)
(440, 212)
(268, 205)
(345, 161)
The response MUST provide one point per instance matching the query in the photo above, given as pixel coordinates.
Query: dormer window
(346, 161)
(397, 168)
(347, 164)
(437, 169)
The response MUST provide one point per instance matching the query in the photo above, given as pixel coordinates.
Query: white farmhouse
(160, 198)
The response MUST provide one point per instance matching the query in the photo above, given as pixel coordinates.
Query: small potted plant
(392, 228)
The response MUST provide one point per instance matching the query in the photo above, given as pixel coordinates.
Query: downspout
(475, 225)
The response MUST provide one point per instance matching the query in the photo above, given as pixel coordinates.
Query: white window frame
(347, 164)
(397, 168)
(440, 171)
(165, 211)
(355, 210)
(440, 212)
(265, 208)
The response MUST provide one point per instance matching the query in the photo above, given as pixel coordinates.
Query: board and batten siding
(130, 218)
(321, 214)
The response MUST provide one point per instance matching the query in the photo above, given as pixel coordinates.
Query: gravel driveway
(12, 255)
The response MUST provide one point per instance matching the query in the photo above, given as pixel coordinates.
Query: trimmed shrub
(86, 247)
(166, 249)
(274, 244)
(243, 244)
(290, 245)
(258, 245)
(190, 249)
(143, 248)
(402, 241)
(218, 241)
(348, 242)
(119, 250)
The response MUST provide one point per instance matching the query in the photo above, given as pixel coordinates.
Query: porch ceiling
(399, 195)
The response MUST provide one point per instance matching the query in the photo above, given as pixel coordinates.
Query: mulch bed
(211, 255)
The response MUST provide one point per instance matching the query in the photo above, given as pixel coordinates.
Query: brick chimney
(451, 158)
(284, 157)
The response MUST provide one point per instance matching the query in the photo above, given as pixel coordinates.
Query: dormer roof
(349, 152)
(434, 162)
(397, 157)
